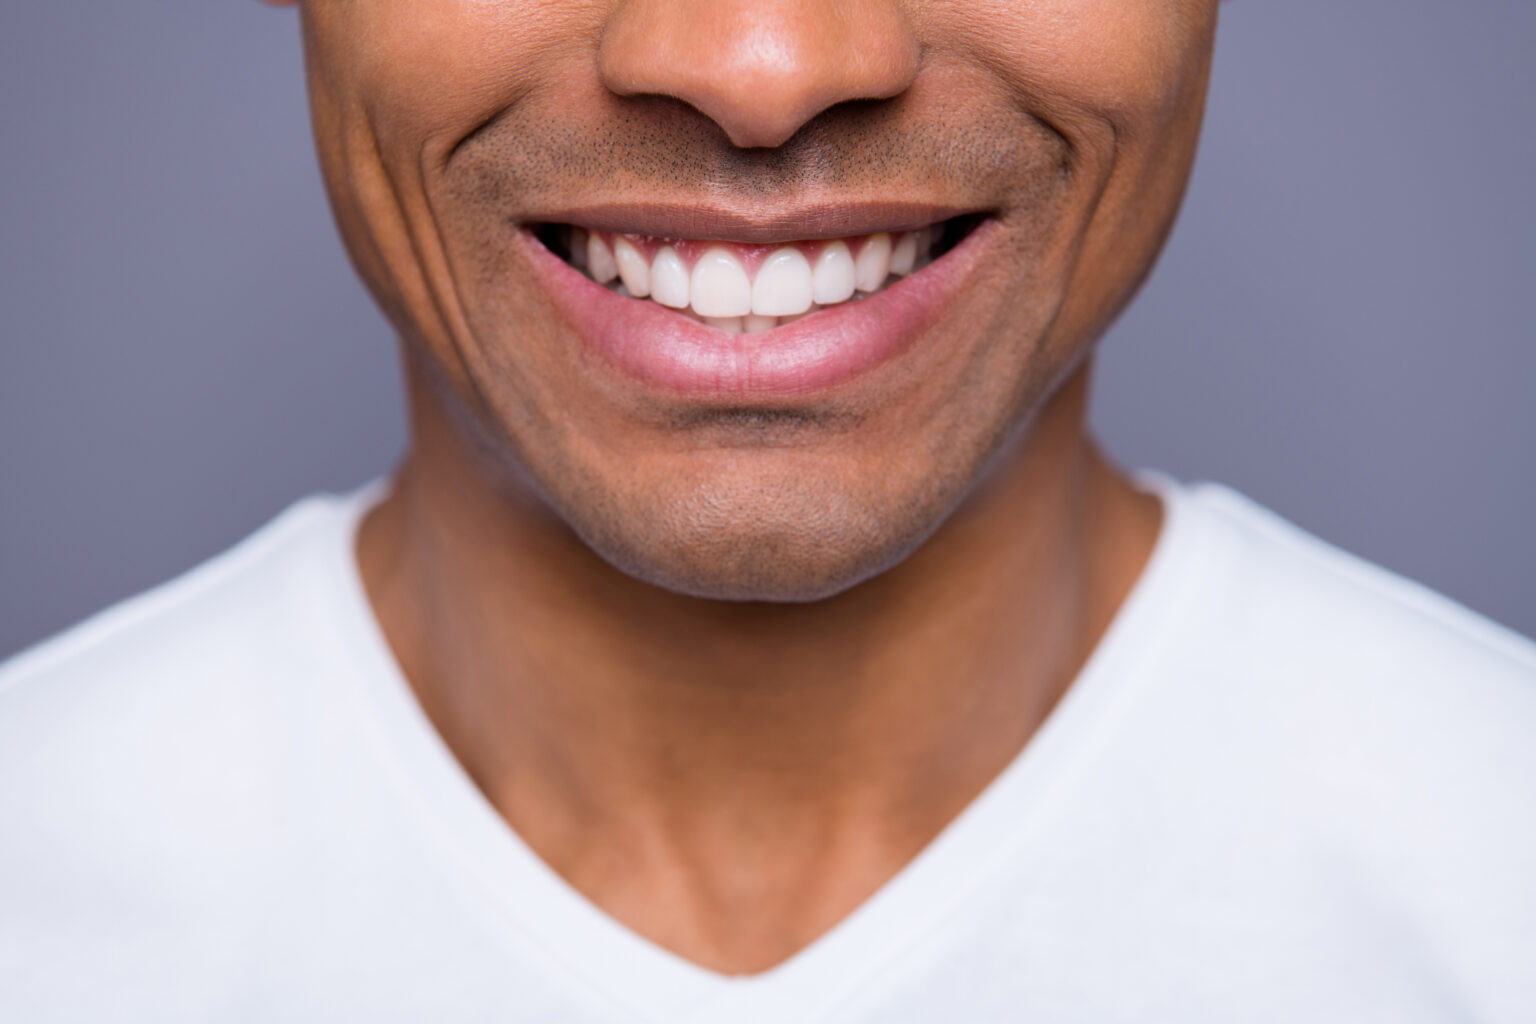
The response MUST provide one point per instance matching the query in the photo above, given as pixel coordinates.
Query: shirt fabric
(1287, 786)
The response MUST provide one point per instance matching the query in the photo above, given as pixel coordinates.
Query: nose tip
(760, 69)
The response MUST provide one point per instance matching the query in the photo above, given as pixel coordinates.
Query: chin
(801, 542)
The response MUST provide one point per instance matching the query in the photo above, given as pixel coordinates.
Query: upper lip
(763, 224)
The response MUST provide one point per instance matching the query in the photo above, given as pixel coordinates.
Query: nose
(760, 69)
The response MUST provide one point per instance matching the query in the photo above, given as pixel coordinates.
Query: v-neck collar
(604, 962)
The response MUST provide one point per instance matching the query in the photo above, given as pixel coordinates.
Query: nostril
(760, 71)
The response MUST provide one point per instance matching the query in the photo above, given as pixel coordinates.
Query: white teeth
(669, 279)
(599, 260)
(903, 255)
(874, 263)
(632, 268)
(719, 287)
(718, 291)
(783, 285)
(833, 276)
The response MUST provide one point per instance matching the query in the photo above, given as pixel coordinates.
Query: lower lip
(665, 350)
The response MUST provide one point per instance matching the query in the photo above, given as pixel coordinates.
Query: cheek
(1128, 62)
(426, 73)
(1123, 81)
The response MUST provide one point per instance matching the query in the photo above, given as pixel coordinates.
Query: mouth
(735, 319)
(750, 287)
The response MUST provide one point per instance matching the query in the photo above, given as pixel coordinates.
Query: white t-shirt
(1288, 786)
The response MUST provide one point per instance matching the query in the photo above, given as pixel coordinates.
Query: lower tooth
(728, 324)
(752, 323)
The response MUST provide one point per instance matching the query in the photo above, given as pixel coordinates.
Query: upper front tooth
(833, 277)
(632, 268)
(874, 263)
(719, 286)
(599, 260)
(783, 285)
(904, 254)
(669, 278)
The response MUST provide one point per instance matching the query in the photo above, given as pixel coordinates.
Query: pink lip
(665, 350)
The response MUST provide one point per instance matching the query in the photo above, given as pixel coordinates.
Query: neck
(733, 750)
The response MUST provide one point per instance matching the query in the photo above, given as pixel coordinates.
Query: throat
(741, 895)
(730, 780)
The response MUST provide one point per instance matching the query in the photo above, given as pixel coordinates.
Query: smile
(748, 288)
(733, 319)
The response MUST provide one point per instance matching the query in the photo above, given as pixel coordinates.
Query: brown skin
(728, 669)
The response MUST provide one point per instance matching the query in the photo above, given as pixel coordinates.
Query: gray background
(1340, 326)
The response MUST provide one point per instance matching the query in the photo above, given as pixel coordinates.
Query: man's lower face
(753, 292)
